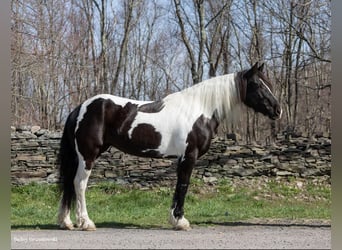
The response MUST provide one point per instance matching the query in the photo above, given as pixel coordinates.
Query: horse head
(256, 92)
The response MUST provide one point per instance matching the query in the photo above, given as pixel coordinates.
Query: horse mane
(221, 93)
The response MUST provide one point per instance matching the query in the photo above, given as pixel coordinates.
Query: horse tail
(68, 160)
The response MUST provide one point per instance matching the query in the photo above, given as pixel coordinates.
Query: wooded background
(65, 51)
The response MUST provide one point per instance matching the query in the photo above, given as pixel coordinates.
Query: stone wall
(34, 153)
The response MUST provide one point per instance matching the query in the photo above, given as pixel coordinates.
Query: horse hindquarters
(89, 145)
(81, 144)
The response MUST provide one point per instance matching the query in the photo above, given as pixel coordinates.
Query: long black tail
(68, 160)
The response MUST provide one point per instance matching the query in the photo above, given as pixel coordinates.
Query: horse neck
(218, 94)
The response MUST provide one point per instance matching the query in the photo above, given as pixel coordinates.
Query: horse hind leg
(64, 220)
(80, 182)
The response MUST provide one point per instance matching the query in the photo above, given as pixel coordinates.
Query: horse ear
(261, 68)
(252, 71)
(255, 68)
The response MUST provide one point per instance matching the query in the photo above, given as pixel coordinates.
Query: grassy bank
(110, 205)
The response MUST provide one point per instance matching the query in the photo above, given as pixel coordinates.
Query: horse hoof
(87, 226)
(179, 223)
(66, 226)
(182, 224)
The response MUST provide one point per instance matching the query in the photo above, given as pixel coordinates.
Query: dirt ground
(265, 235)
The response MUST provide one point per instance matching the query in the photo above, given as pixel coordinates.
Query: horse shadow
(34, 227)
(98, 225)
(163, 227)
(264, 224)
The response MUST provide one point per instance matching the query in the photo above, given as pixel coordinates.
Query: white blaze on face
(281, 110)
(267, 87)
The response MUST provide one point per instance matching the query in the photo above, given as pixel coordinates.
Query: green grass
(110, 205)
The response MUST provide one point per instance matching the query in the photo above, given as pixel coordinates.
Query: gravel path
(239, 236)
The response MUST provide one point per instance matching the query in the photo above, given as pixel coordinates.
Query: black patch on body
(202, 132)
(152, 137)
(153, 107)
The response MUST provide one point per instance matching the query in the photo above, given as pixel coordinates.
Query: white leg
(179, 223)
(64, 220)
(80, 183)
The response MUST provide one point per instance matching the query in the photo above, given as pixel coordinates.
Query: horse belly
(172, 144)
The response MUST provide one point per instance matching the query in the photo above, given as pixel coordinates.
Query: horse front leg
(184, 170)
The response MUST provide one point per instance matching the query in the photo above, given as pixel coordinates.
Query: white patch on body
(172, 124)
(182, 109)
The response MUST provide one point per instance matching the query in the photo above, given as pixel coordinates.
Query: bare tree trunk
(128, 6)
(102, 9)
(217, 41)
(196, 66)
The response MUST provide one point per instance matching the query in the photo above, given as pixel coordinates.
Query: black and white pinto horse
(182, 124)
